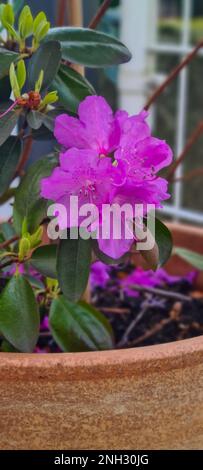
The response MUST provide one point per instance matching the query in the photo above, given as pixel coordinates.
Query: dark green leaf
(42, 134)
(34, 282)
(10, 153)
(5, 89)
(73, 267)
(17, 5)
(79, 327)
(72, 87)
(164, 242)
(191, 257)
(7, 230)
(162, 249)
(47, 58)
(19, 316)
(44, 260)
(49, 118)
(7, 347)
(6, 58)
(8, 122)
(90, 48)
(28, 202)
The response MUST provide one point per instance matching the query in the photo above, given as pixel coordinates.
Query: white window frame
(139, 32)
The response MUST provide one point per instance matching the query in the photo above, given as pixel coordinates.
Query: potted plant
(135, 398)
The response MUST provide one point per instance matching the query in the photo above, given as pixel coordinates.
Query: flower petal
(97, 117)
(70, 132)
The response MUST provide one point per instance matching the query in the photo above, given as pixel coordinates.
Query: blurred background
(159, 33)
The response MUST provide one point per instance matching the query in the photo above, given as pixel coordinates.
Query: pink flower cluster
(107, 158)
(101, 274)
(159, 278)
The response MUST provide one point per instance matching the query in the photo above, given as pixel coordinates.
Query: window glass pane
(170, 21)
(166, 106)
(196, 21)
(192, 188)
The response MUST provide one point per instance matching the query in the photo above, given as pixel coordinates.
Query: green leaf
(73, 267)
(162, 249)
(35, 119)
(42, 31)
(10, 153)
(44, 260)
(79, 327)
(28, 202)
(7, 230)
(19, 316)
(7, 15)
(49, 118)
(25, 22)
(164, 242)
(8, 122)
(72, 87)
(5, 89)
(47, 58)
(14, 81)
(42, 134)
(90, 48)
(105, 258)
(7, 347)
(191, 257)
(21, 73)
(6, 59)
(17, 5)
(39, 19)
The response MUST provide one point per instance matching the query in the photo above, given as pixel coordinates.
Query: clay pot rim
(88, 363)
(102, 364)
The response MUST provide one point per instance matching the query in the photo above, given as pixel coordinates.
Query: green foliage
(19, 316)
(28, 202)
(10, 153)
(25, 23)
(79, 327)
(7, 123)
(90, 48)
(191, 257)
(73, 267)
(72, 87)
(21, 74)
(44, 260)
(47, 58)
(6, 59)
(162, 249)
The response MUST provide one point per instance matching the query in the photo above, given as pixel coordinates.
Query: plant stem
(8, 242)
(191, 141)
(133, 324)
(173, 75)
(160, 292)
(100, 13)
(189, 175)
(25, 155)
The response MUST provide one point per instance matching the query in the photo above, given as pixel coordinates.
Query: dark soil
(150, 319)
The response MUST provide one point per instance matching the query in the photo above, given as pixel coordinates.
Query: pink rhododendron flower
(107, 158)
(150, 278)
(99, 274)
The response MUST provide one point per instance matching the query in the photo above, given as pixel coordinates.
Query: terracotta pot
(145, 398)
